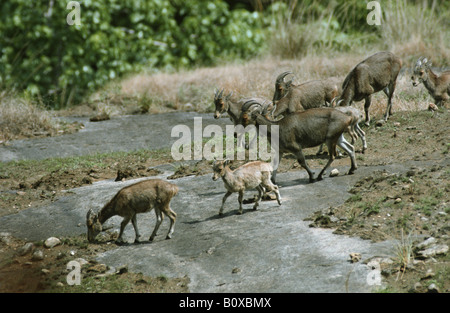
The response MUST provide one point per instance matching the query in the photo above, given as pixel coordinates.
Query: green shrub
(44, 56)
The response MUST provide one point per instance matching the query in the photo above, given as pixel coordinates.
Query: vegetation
(45, 57)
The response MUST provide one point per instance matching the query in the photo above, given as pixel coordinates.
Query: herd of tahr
(307, 115)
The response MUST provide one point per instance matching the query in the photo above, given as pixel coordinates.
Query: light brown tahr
(140, 197)
(437, 85)
(256, 174)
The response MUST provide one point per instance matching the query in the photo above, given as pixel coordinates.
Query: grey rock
(433, 250)
(37, 255)
(433, 288)
(25, 249)
(334, 172)
(426, 243)
(355, 257)
(5, 238)
(51, 242)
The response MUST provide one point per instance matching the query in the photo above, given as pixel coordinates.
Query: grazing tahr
(437, 85)
(377, 72)
(140, 197)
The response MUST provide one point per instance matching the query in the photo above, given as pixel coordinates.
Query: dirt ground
(384, 205)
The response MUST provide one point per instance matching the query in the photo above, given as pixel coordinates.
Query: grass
(304, 43)
(20, 170)
(420, 29)
(193, 90)
(404, 251)
(426, 204)
(20, 117)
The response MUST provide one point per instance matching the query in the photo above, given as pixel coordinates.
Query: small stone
(235, 270)
(426, 243)
(410, 173)
(45, 271)
(433, 250)
(37, 255)
(418, 287)
(380, 123)
(51, 242)
(334, 172)
(397, 200)
(5, 238)
(59, 284)
(433, 288)
(87, 180)
(355, 257)
(98, 268)
(25, 249)
(429, 274)
(122, 270)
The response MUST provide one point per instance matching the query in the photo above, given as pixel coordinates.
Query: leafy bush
(44, 56)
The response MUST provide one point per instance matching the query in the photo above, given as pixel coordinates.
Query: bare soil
(384, 205)
(23, 274)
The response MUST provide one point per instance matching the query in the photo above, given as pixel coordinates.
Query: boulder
(51, 242)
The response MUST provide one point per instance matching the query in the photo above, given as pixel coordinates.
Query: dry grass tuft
(417, 30)
(20, 118)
